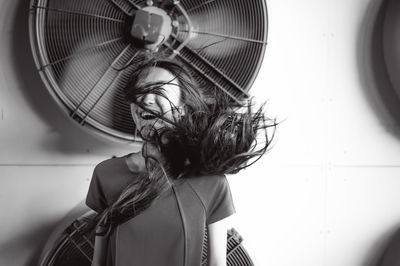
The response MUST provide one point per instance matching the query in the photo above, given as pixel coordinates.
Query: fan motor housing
(151, 27)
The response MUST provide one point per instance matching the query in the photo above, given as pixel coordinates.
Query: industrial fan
(86, 50)
(391, 43)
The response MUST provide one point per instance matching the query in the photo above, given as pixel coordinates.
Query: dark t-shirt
(171, 230)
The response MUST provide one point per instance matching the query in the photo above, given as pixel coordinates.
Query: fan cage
(92, 108)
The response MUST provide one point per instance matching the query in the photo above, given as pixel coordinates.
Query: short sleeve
(95, 198)
(215, 195)
(109, 179)
(221, 206)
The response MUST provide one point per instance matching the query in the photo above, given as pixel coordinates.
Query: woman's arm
(99, 252)
(217, 241)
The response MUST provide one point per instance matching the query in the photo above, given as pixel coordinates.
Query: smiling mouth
(147, 115)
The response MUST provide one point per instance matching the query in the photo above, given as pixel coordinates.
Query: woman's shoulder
(111, 163)
(113, 171)
(110, 178)
(208, 185)
(215, 195)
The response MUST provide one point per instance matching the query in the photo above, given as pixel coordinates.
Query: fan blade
(231, 17)
(98, 8)
(76, 13)
(77, 58)
(229, 34)
(127, 7)
(91, 80)
(79, 52)
(200, 60)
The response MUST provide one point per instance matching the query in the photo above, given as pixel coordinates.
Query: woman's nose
(149, 99)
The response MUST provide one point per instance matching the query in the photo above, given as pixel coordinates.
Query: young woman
(154, 206)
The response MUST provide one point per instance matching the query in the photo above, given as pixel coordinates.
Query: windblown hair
(212, 137)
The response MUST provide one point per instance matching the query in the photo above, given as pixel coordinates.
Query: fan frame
(90, 125)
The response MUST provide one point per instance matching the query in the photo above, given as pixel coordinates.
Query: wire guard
(85, 57)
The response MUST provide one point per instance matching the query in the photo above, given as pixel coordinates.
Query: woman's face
(160, 105)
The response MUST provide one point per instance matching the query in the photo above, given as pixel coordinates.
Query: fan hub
(151, 27)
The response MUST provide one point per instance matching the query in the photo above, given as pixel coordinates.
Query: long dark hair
(213, 137)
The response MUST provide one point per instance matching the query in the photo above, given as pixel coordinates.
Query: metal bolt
(175, 23)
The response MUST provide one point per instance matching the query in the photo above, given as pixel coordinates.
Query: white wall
(325, 195)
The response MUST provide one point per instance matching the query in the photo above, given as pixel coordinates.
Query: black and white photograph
(199, 133)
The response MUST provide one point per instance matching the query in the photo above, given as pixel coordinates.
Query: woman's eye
(138, 99)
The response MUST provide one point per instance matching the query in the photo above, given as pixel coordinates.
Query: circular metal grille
(85, 60)
(391, 43)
